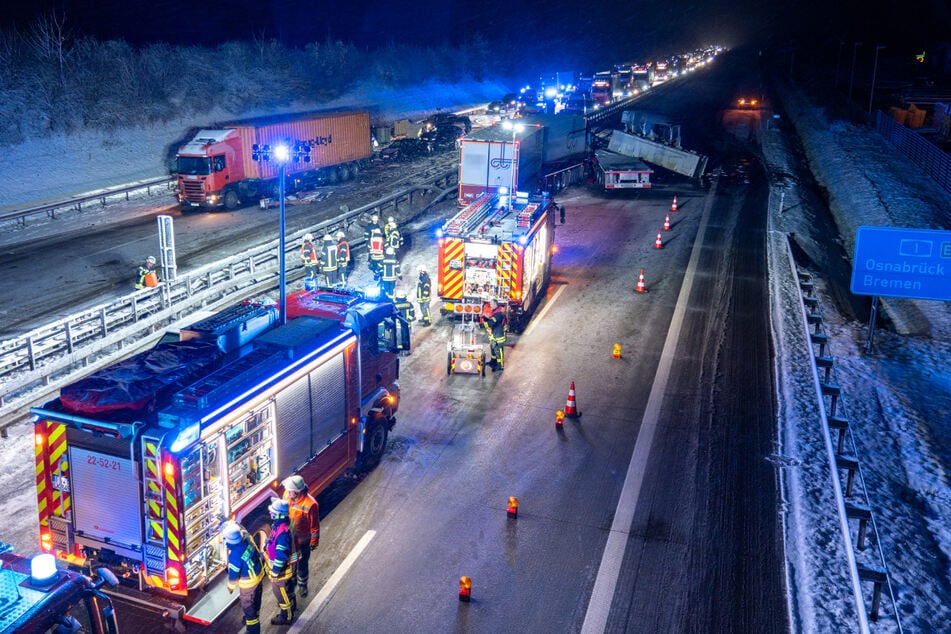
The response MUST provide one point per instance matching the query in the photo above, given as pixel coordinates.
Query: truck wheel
(333, 176)
(354, 169)
(374, 444)
(449, 363)
(232, 201)
(344, 172)
(482, 363)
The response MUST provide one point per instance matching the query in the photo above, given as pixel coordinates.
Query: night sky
(619, 29)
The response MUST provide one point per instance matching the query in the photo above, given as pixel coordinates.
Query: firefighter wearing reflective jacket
(308, 255)
(495, 327)
(423, 290)
(404, 307)
(390, 273)
(245, 572)
(374, 224)
(329, 261)
(305, 522)
(281, 556)
(376, 252)
(393, 236)
(147, 277)
(343, 257)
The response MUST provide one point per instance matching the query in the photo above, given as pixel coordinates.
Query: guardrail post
(851, 464)
(842, 424)
(863, 514)
(29, 353)
(811, 302)
(816, 320)
(69, 337)
(822, 340)
(832, 390)
(826, 363)
(877, 576)
(102, 321)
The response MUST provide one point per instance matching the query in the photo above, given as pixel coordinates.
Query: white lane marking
(327, 591)
(599, 607)
(539, 316)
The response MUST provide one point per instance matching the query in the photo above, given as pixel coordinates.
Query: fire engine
(139, 464)
(37, 596)
(495, 250)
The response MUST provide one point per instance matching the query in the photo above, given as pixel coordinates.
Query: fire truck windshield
(193, 165)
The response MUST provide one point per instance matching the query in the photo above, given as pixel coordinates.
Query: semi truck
(496, 159)
(616, 171)
(39, 596)
(237, 163)
(605, 85)
(496, 248)
(140, 463)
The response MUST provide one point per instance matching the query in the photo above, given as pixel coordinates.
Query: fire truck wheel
(374, 444)
(449, 363)
(232, 201)
(482, 363)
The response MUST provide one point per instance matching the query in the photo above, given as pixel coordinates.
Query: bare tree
(47, 39)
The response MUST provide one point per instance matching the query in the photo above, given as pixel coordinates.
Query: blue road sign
(896, 262)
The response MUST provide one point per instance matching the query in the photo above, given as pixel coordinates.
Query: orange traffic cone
(673, 205)
(667, 223)
(571, 409)
(658, 243)
(640, 283)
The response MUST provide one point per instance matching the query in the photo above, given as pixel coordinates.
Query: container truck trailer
(492, 249)
(226, 166)
(140, 463)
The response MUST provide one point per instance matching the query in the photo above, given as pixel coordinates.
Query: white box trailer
(616, 171)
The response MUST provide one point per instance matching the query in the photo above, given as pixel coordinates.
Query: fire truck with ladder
(140, 463)
(493, 250)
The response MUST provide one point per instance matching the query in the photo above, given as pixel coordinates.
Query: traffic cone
(640, 283)
(465, 589)
(571, 409)
(658, 243)
(667, 223)
(513, 507)
(673, 205)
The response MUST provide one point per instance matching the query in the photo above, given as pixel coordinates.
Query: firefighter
(423, 290)
(376, 247)
(343, 257)
(245, 572)
(374, 224)
(147, 276)
(495, 327)
(329, 262)
(281, 556)
(393, 236)
(389, 273)
(561, 213)
(305, 522)
(389, 226)
(404, 306)
(308, 255)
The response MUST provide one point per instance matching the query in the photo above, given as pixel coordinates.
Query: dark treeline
(54, 81)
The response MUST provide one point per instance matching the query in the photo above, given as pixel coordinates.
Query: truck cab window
(219, 163)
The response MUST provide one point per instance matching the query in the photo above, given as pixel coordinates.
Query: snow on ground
(897, 398)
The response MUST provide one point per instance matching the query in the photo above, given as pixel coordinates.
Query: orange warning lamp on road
(513, 507)
(559, 418)
(617, 351)
(465, 588)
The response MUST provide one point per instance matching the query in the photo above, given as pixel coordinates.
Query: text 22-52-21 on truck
(494, 250)
(237, 164)
(140, 463)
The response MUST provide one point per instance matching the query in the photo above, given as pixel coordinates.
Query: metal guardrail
(41, 361)
(868, 565)
(76, 202)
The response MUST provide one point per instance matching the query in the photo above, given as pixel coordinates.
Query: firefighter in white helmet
(329, 262)
(147, 277)
(389, 273)
(305, 522)
(245, 572)
(281, 556)
(343, 257)
(309, 256)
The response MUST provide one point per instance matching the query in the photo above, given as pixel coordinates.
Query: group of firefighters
(285, 558)
(331, 261)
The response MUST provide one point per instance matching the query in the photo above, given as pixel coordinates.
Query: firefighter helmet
(308, 237)
(327, 237)
(374, 219)
(391, 220)
(231, 533)
(390, 251)
(401, 294)
(295, 483)
(391, 224)
(278, 508)
(422, 268)
(150, 259)
(341, 235)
